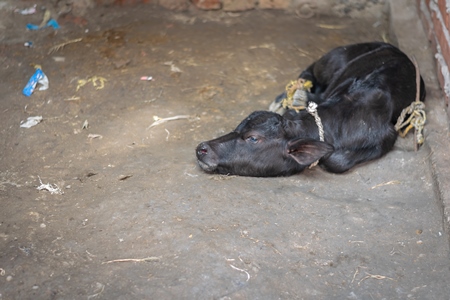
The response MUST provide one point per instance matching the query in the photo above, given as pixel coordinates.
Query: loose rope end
(417, 116)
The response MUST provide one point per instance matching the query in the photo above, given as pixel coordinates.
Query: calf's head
(264, 144)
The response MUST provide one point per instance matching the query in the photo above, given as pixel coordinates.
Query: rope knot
(417, 116)
(312, 107)
(296, 96)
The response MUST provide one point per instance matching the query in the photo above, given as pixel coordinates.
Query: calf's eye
(252, 139)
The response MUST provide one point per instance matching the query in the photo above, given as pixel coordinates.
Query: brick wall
(435, 15)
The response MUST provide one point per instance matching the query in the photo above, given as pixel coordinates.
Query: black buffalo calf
(360, 91)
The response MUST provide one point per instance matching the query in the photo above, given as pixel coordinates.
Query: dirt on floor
(96, 203)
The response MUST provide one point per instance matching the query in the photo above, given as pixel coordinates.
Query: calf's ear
(307, 151)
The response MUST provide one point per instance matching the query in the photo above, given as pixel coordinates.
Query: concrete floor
(139, 220)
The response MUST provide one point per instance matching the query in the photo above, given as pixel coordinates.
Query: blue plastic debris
(51, 22)
(38, 77)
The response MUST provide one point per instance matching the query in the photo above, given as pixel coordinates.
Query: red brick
(445, 16)
(274, 4)
(121, 2)
(440, 36)
(207, 4)
(437, 37)
(238, 5)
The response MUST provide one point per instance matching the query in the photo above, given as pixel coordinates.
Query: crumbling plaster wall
(436, 19)
(306, 8)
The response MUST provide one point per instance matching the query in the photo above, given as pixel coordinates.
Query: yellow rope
(417, 116)
(296, 94)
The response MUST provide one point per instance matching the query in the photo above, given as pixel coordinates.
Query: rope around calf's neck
(312, 110)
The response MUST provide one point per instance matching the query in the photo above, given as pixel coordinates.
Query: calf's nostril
(202, 150)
